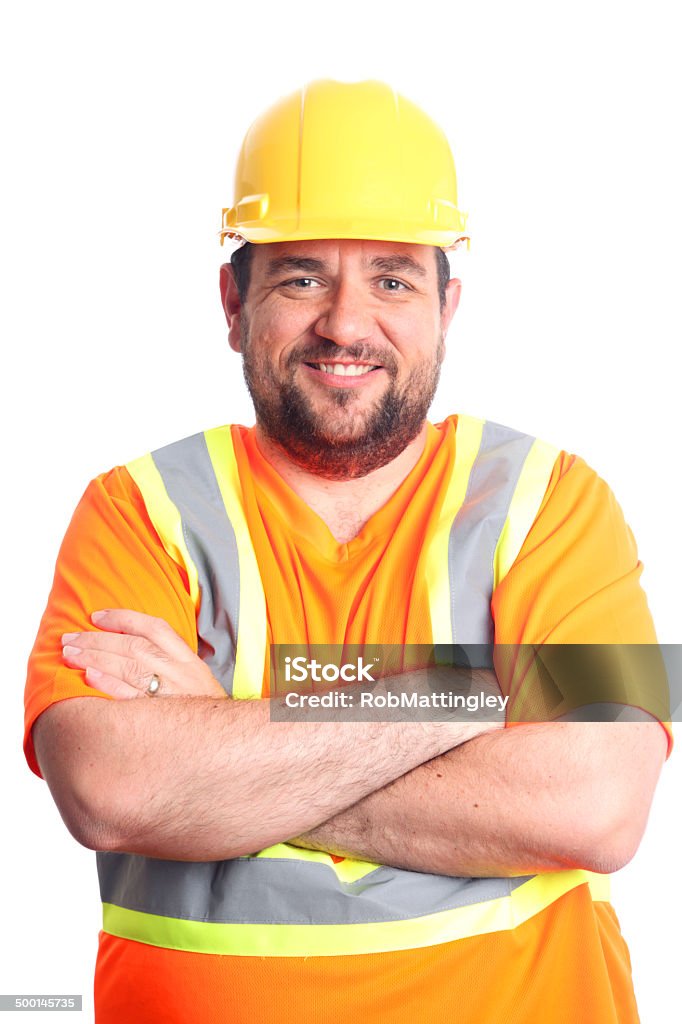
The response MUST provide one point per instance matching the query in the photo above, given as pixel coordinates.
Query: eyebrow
(389, 264)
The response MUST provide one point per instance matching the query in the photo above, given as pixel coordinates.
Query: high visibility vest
(286, 901)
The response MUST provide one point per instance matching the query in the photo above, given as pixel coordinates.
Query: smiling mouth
(345, 369)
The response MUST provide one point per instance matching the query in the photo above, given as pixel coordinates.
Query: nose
(345, 318)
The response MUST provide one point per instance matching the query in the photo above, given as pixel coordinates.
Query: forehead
(331, 255)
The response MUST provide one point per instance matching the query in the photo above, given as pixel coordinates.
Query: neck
(344, 505)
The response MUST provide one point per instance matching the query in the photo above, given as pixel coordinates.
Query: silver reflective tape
(190, 481)
(260, 890)
(476, 530)
(602, 711)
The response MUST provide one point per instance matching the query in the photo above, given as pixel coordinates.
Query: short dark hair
(241, 267)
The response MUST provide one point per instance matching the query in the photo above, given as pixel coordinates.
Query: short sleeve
(576, 581)
(111, 557)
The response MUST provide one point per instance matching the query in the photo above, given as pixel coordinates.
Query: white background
(120, 128)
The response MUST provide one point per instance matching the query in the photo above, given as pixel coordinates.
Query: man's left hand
(131, 652)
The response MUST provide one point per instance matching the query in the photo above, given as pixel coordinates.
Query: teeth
(345, 369)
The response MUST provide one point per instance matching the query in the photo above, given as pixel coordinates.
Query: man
(267, 870)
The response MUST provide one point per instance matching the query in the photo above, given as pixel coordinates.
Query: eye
(304, 284)
(393, 284)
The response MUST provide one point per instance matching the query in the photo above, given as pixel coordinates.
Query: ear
(229, 297)
(453, 293)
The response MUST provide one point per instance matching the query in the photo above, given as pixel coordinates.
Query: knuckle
(160, 625)
(138, 646)
(142, 649)
(135, 672)
(96, 657)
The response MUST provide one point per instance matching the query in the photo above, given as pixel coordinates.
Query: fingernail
(72, 652)
(98, 616)
(93, 673)
(69, 636)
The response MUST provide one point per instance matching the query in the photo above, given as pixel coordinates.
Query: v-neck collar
(308, 526)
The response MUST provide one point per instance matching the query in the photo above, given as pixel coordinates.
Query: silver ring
(154, 686)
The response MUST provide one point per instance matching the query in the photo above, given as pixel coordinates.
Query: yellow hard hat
(345, 160)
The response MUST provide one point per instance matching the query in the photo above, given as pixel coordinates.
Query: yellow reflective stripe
(252, 632)
(523, 508)
(165, 518)
(467, 442)
(600, 888)
(347, 870)
(502, 914)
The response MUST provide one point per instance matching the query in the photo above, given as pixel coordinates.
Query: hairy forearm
(204, 779)
(532, 798)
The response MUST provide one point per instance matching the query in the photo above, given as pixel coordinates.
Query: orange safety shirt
(575, 580)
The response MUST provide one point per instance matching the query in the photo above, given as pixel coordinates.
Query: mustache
(327, 352)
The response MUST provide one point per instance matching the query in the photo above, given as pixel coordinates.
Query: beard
(348, 440)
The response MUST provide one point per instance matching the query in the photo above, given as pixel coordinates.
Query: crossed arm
(203, 777)
(528, 799)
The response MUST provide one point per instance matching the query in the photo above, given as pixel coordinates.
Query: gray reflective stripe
(190, 481)
(476, 530)
(282, 891)
(603, 711)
